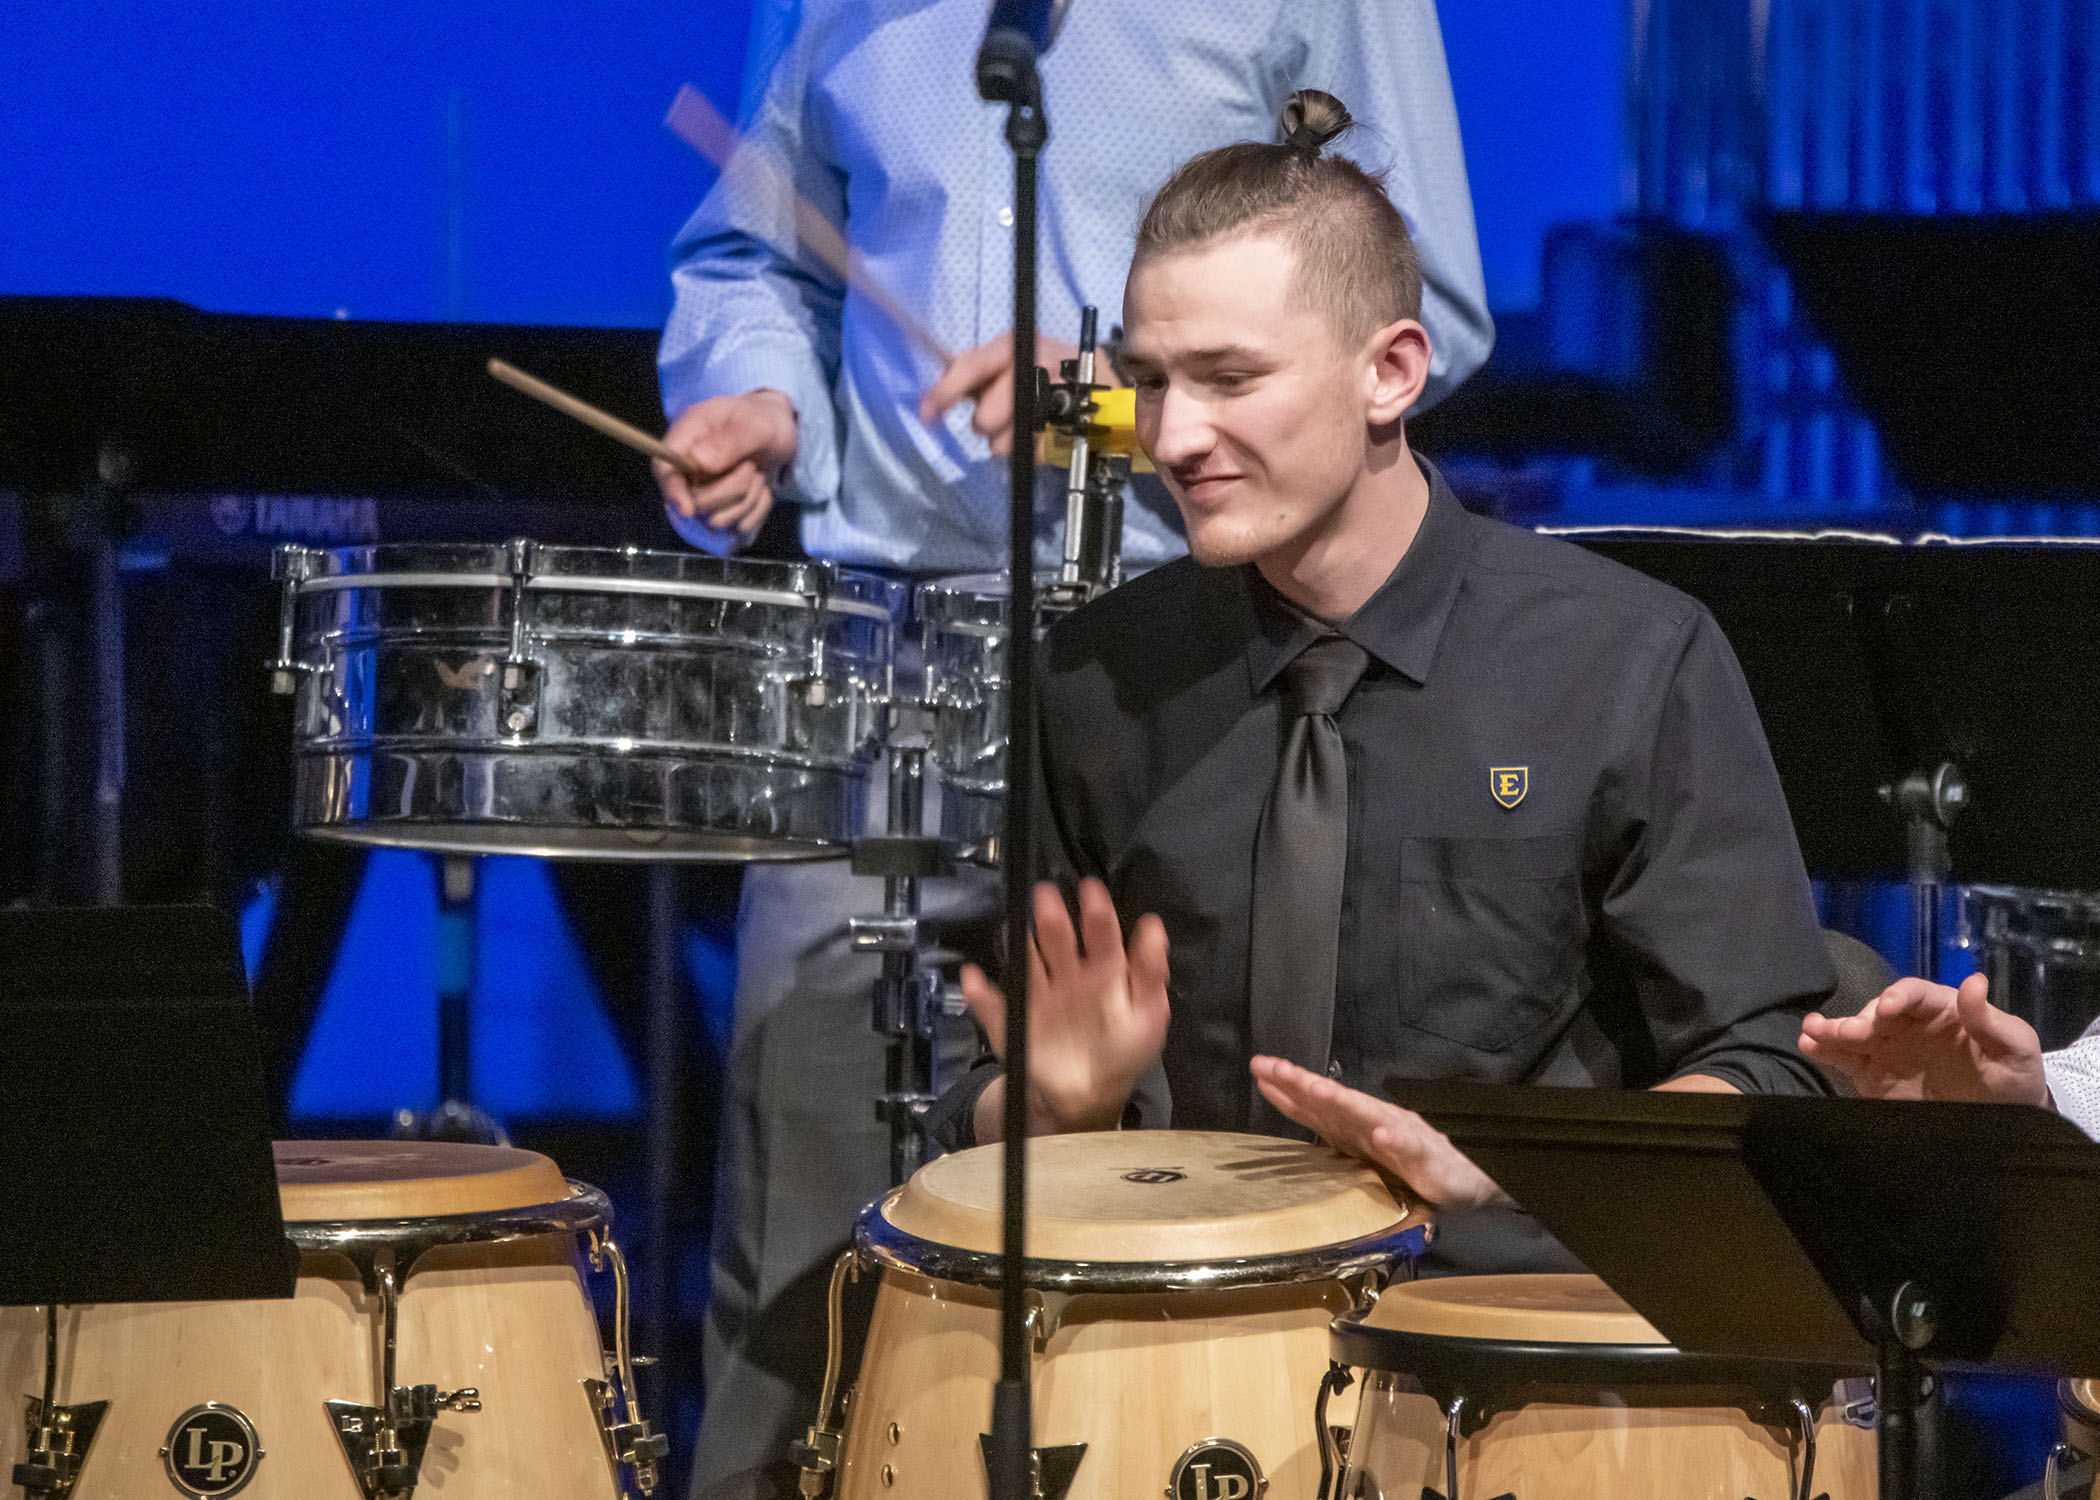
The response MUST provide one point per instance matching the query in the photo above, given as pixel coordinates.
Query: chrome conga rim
(891, 1248)
(585, 1209)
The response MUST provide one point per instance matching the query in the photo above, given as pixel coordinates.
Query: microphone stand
(1006, 73)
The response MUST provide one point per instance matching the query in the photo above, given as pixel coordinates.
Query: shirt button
(1334, 1069)
(1006, 218)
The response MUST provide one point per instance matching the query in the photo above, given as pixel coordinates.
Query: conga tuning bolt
(59, 1440)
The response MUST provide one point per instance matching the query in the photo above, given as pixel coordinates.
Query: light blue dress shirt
(869, 107)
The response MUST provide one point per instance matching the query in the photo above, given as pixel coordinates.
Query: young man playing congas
(1396, 789)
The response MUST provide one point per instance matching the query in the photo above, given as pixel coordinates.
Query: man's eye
(1231, 380)
(1150, 385)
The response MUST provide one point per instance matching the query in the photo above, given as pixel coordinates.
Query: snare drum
(599, 703)
(441, 1337)
(1180, 1283)
(2041, 952)
(1552, 1388)
(964, 623)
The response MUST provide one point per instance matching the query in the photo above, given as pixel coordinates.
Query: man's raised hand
(1097, 1014)
(1920, 1040)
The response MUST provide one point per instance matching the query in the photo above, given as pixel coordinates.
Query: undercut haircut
(1356, 261)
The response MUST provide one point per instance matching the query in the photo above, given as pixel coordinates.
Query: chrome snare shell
(588, 702)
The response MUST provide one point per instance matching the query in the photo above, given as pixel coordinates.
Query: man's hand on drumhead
(734, 445)
(1920, 1040)
(1398, 1142)
(1097, 1014)
(985, 375)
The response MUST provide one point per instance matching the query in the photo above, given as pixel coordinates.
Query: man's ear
(1399, 361)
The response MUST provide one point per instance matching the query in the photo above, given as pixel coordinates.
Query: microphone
(1017, 33)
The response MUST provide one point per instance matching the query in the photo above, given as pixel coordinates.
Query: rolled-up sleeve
(1711, 904)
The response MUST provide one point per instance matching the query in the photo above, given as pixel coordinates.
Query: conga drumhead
(1152, 1195)
(1553, 1309)
(324, 1180)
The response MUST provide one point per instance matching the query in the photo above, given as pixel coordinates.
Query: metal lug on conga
(59, 1440)
(385, 1448)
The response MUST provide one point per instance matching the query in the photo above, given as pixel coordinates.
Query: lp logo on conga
(211, 1451)
(1216, 1469)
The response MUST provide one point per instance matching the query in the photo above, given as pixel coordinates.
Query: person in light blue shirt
(784, 384)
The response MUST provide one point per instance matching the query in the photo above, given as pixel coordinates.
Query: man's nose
(1182, 434)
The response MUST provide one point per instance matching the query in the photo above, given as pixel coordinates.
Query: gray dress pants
(800, 1153)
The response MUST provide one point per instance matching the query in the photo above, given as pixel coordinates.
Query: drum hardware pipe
(817, 1455)
(1093, 546)
(906, 998)
(632, 1441)
(114, 471)
(666, 1045)
(1454, 1415)
(1331, 1441)
(1929, 802)
(1805, 1415)
(814, 693)
(60, 1437)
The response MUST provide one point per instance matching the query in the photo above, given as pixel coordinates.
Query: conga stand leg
(454, 1118)
(907, 996)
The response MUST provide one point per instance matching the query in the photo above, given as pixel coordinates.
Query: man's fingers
(1055, 941)
(1099, 929)
(1915, 997)
(995, 406)
(986, 1004)
(965, 376)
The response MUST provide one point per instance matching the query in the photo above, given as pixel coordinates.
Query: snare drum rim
(578, 569)
(893, 1249)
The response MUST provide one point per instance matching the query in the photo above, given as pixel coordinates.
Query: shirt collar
(1399, 625)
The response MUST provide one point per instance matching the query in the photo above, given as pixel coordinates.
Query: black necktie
(1299, 854)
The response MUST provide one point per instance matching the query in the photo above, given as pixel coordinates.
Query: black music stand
(135, 1137)
(1844, 1231)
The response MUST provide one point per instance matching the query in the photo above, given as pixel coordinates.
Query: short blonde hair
(1356, 260)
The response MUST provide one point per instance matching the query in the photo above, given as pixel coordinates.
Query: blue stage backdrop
(508, 163)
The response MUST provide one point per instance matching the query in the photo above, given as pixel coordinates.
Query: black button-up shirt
(1569, 858)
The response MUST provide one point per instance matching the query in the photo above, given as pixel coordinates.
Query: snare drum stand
(908, 998)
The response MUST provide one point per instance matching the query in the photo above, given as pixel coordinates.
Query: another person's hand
(1920, 1040)
(985, 375)
(1398, 1142)
(1097, 1015)
(735, 444)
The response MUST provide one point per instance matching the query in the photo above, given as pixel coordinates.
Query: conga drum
(1180, 1287)
(2079, 1401)
(1552, 1388)
(441, 1340)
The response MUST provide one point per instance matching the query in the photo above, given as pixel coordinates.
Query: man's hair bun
(1310, 119)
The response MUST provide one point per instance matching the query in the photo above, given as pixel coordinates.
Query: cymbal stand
(908, 1005)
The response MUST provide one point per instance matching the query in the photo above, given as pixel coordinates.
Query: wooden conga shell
(1652, 1437)
(1139, 1375)
(512, 1319)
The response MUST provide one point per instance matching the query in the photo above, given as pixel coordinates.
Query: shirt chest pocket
(1492, 934)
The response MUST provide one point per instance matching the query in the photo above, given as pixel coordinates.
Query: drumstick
(591, 416)
(695, 120)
